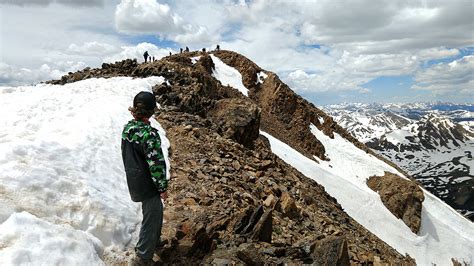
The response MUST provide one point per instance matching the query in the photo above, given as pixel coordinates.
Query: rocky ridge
(231, 199)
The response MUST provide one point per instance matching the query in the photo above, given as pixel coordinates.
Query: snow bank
(60, 157)
(444, 233)
(46, 243)
(228, 76)
(348, 161)
(399, 136)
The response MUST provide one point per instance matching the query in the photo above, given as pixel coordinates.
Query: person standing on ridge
(145, 169)
(145, 55)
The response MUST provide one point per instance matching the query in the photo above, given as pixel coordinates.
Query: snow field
(398, 136)
(228, 76)
(61, 165)
(46, 243)
(444, 233)
(349, 162)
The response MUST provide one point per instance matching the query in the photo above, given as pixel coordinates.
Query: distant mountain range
(434, 142)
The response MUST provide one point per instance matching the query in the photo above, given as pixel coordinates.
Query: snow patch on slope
(398, 136)
(228, 76)
(46, 243)
(347, 161)
(60, 159)
(444, 234)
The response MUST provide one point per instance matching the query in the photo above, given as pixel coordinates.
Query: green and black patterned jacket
(143, 160)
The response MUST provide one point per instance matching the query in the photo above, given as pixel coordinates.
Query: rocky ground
(232, 201)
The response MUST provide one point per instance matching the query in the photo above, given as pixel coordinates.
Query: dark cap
(145, 98)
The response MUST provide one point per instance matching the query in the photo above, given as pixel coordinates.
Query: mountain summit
(258, 174)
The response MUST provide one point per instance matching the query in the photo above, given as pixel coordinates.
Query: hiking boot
(138, 261)
(161, 244)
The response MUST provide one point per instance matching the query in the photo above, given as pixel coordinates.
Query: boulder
(239, 119)
(402, 197)
(287, 205)
(330, 251)
(206, 62)
(270, 201)
(250, 256)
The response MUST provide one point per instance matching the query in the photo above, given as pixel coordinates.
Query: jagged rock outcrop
(402, 197)
(284, 113)
(231, 200)
(287, 115)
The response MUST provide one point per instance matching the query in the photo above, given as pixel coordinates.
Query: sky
(328, 51)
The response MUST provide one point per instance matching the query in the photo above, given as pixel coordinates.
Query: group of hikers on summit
(149, 58)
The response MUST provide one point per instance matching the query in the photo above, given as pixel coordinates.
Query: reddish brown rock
(402, 197)
(239, 119)
(287, 205)
(330, 251)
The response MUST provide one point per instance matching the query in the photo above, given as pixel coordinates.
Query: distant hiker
(218, 47)
(149, 58)
(145, 55)
(153, 58)
(145, 169)
(187, 49)
(180, 50)
(203, 50)
(170, 53)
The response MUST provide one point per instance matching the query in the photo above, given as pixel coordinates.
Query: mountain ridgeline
(231, 199)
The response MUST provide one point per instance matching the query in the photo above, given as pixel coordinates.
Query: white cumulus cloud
(443, 78)
(92, 48)
(322, 82)
(147, 16)
(151, 17)
(13, 75)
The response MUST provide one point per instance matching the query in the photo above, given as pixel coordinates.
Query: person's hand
(164, 195)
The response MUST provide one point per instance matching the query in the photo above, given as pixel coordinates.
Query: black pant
(150, 231)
